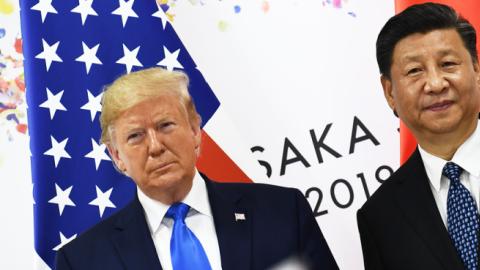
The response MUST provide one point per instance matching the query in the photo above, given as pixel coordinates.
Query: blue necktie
(462, 217)
(185, 249)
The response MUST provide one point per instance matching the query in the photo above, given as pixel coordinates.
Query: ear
(115, 155)
(388, 91)
(476, 68)
(197, 133)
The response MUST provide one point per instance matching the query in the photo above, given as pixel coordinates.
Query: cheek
(134, 159)
(187, 150)
(476, 99)
(408, 96)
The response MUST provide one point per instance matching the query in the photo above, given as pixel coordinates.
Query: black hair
(422, 18)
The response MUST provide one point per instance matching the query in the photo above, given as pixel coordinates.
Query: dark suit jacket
(279, 224)
(400, 226)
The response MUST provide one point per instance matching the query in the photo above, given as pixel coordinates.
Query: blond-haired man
(179, 218)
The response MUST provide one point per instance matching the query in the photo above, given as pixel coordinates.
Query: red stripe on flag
(407, 143)
(469, 9)
(216, 164)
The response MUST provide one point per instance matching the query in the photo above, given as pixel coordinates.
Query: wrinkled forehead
(150, 110)
(435, 43)
(159, 105)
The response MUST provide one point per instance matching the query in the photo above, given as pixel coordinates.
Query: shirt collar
(197, 199)
(467, 156)
(433, 166)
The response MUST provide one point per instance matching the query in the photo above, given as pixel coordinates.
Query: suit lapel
(234, 236)
(415, 199)
(132, 239)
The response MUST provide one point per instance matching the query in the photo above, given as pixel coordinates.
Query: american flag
(72, 49)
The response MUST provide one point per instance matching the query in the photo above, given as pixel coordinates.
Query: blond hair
(133, 88)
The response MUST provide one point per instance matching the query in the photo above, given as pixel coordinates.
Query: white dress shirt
(199, 220)
(467, 156)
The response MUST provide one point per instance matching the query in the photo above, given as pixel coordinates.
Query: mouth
(162, 167)
(439, 106)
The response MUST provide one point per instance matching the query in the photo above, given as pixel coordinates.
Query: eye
(449, 64)
(134, 137)
(414, 71)
(166, 126)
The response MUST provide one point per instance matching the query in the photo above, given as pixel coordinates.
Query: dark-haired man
(426, 215)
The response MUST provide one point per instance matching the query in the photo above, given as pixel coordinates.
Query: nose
(435, 81)
(155, 145)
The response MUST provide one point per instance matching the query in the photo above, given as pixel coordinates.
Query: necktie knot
(452, 171)
(177, 211)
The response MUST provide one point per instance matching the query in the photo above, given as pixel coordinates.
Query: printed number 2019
(315, 191)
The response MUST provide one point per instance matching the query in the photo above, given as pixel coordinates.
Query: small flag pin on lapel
(239, 216)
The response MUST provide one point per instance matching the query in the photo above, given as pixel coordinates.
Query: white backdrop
(284, 72)
(300, 66)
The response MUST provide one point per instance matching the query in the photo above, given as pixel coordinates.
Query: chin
(167, 181)
(443, 126)
(442, 121)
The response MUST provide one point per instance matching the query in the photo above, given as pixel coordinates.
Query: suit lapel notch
(233, 220)
(133, 242)
(415, 198)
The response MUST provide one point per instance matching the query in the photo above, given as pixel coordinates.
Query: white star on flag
(45, 7)
(97, 153)
(84, 8)
(53, 103)
(102, 200)
(49, 53)
(58, 150)
(93, 105)
(64, 240)
(129, 58)
(62, 198)
(170, 61)
(161, 15)
(125, 10)
(89, 56)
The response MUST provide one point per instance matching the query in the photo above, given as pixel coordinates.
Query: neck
(444, 146)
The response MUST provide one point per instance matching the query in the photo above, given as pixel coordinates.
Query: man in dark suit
(426, 215)
(179, 218)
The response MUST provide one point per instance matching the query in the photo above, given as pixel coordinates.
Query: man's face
(156, 145)
(434, 85)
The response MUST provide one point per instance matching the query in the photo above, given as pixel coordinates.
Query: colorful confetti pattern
(13, 120)
(265, 6)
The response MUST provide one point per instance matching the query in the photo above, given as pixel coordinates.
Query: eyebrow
(417, 57)
(133, 125)
(130, 130)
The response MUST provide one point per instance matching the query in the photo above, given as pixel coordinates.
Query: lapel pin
(239, 216)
